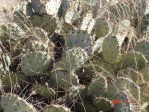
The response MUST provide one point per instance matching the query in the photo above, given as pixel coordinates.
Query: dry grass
(6, 10)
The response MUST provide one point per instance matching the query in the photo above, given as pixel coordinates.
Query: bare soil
(6, 10)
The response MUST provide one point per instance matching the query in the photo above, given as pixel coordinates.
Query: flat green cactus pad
(80, 39)
(111, 90)
(72, 60)
(63, 79)
(97, 88)
(76, 93)
(132, 60)
(44, 21)
(35, 63)
(121, 103)
(10, 31)
(144, 95)
(145, 73)
(132, 74)
(13, 103)
(131, 88)
(43, 90)
(102, 104)
(110, 49)
(101, 28)
(37, 40)
(56, 108)
(143, 47)
(38, 6)
(13, 80)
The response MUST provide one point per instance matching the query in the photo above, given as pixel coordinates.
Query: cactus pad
(101, 28)
(97, 88)
(38, 6)
(132, 74)
(56, 108)
(13, 103)
(36, 63)
(143, 47)
(43, 91)
(13, 80)
(76, 93)
(102, 104)
(37, 40)
(132, 89)
(64, 80)
(145, 73)
(111, 90)
(10, 31)
(72, 60)
(110, 49)
(44, 21)
(122, 104)
(132, 60)
(80, 39)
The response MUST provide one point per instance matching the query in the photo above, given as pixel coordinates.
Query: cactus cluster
(75, 56)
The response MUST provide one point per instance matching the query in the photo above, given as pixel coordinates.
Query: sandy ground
(6, 10)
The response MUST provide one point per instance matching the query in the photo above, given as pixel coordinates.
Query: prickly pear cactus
(38, 6)
(44, 21)
(110, 49)
(97, 88)
(36, 63)
(76, 55)
(10, 81)
(80, 39)
(131, 89)
(144, 71)
(11, 102)
(121, 104)
(63, 79)
(102, 104)
(10, 31)
(72, 60)
(76, 93)
(133, 60)
(111, 90)
(37, 40)
(101, 28)
(43, 90)
(142, 47)
(132, 74)
(144, 95)
(56, 108)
